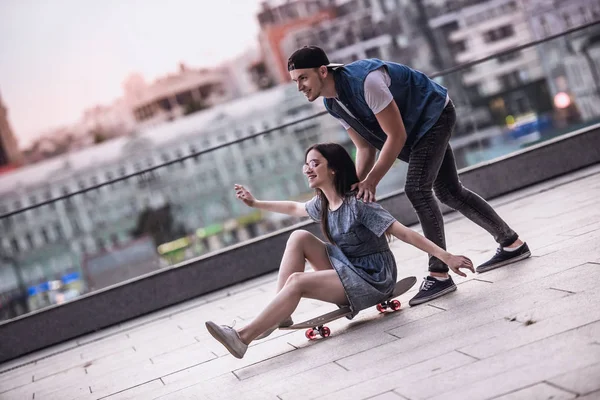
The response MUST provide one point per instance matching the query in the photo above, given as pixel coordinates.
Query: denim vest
(419, 99)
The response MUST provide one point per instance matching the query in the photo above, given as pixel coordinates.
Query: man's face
(309, 81)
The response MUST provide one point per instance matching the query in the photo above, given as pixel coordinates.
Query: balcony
(535, 158)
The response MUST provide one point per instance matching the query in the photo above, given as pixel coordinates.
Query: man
(401, 112)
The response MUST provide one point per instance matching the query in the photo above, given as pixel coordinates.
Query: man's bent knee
(451, 198)
(417, 195)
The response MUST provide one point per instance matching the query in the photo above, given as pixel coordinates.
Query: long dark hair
(345, 176)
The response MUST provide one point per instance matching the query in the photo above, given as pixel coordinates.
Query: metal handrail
(264, 132)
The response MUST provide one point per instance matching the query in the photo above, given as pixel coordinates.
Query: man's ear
(323, 71)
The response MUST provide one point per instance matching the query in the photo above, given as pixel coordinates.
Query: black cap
(309, 57)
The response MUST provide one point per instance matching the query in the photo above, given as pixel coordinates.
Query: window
(249, 168)
(68, 201)
(59, 231)
(499, 33)
(262, 163)
(510, 80)
(45, 236)
(76, 226)
(583, 13)
(545, 28)
(373, 52)
(15, 245)
(568, 21)
(509, 56)
(458, 47)
(29, 240)
(194, 150)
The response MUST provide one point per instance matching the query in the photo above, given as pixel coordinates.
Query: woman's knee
(296, 282)
(299, 236)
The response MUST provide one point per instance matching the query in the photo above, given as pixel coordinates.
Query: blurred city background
(144, 182)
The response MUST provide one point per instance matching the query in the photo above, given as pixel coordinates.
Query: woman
(356, 268)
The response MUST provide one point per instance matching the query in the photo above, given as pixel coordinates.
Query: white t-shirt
(377, 93)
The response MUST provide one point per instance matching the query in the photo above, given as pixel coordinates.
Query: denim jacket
(419, 99)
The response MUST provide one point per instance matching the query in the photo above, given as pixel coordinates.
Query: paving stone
(582, 381)
(540, 391)
(144, 391)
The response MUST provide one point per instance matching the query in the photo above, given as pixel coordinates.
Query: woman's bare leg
(320, 285)
(301, 246)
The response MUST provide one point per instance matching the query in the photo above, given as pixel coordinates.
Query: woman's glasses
(312, 164)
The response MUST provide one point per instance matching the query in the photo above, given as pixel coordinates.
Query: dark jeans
(431, 166)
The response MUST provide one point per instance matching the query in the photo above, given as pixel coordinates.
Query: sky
(60, 57)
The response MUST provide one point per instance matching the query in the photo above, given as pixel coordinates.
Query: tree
(159, 224)
(99, 137)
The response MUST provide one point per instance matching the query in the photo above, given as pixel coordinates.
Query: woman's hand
(456, 263)
(244, 194)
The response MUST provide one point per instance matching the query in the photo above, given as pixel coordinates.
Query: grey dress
(360, 254)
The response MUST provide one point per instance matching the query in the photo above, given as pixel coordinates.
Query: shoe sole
(435, 296)
(217, 335)
(503, 263)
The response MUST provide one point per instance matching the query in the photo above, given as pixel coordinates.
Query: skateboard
(317, 325)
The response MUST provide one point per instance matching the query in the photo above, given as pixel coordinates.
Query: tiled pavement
(527, 331)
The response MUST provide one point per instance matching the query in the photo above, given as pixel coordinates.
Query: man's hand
(366, 190)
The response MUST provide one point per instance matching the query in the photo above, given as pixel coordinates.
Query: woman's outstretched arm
(293, 208)
(455, 263)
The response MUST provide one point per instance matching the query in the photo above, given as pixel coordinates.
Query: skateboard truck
(311, 334)
(394, 305)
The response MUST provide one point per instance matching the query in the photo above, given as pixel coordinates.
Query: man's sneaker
(284, 324)
(432, 288)
(503, 257)
(228, 338)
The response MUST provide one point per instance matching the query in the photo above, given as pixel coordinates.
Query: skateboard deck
(316, 325)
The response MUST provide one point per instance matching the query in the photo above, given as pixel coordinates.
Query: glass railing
(133, 206)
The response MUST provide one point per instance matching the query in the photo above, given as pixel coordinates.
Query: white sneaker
(283, 324)
(228, 338)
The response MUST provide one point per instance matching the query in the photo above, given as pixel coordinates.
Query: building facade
(571, 63)
(10, 155)
(70, 236)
